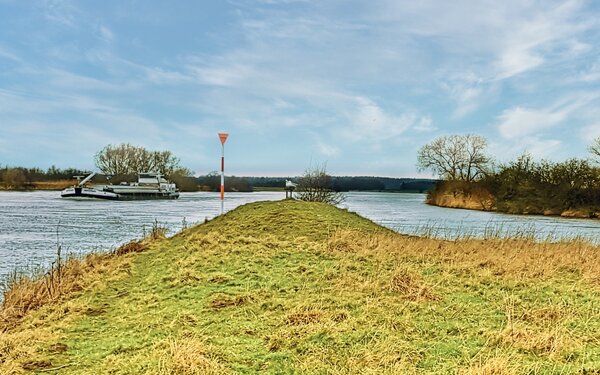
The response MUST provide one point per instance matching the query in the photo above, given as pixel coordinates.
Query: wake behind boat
(149, 186)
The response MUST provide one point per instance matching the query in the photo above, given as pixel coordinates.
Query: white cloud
(69, 82)
(542, 148)
(467, 90)
(371, 123)
(504, 38)
(538, 32)
(590, 132)
(517, 59)
(592, 74)
(328, 150)
(168, 77)
(538, 147)
(7, 54)
(518, 122)
(229, 75)
(425, 124)
(106, 34)
(62, 12)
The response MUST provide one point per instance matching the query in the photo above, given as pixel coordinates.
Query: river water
(31, 221)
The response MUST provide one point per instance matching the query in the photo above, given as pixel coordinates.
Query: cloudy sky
(361, 85)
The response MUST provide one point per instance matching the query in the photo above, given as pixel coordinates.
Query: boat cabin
(150, 178)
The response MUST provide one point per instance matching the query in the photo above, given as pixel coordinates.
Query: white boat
(149, 186)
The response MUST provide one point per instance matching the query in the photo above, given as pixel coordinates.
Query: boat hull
(83, 193)
(78, 192)
(146, 196)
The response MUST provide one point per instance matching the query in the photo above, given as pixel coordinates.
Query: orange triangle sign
(223, 137)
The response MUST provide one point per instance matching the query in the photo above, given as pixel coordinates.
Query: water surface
(30, 221)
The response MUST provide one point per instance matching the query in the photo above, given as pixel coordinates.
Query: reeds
(522, 255)
(23, 292)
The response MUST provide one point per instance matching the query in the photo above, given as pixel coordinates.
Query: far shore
(480, 202)
(42, 185)
(59, 185)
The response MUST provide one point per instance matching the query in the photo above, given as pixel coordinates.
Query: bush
(317, 186)
(14, 178)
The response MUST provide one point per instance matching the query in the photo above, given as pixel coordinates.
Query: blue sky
(361, 85)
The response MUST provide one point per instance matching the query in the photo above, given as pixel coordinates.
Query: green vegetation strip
(296, 287)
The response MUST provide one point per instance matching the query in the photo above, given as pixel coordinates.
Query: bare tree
(594, 148)
(126, 159)
(455, 157)
(315, 185)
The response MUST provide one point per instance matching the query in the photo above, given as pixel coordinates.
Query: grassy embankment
(296, 287)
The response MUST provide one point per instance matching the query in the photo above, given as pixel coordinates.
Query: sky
(358, 85)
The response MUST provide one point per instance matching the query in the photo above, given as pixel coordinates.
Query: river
(33, 223)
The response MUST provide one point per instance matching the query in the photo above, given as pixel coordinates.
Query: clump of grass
(219, 278)
(221, 300)
(157, 231)
(304, 316)
(130, 247)
(187, 356)
(491, 366)
(24, 293)
(19, 351)
(411, 285)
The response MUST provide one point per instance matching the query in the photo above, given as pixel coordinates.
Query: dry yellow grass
(510, 258)
(476, 199)
(26, 293)
(187, 356)
(491, 366)
(53, 185)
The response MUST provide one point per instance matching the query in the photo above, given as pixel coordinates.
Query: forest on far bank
(21, 178)
(121, 163)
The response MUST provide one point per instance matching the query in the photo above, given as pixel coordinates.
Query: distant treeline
(23, 178)
(527, 186)
(524, 186)
(349, 183)
(212, 182)
(471, 179)
(16, 178)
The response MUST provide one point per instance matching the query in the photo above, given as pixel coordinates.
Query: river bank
(477, 198)
(285, 286)
(41, 185)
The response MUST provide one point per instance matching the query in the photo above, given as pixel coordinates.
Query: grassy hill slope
(296, 287)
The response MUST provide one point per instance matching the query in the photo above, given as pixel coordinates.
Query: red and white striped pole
(223, 139)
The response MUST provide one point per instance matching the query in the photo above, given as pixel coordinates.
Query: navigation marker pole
(223, 139)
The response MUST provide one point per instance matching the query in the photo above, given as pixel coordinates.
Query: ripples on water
(29, 221)
(407, 213)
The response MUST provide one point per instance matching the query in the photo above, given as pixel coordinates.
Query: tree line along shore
(472, 179)
(23, 179)
(122, 163)
(304, 287)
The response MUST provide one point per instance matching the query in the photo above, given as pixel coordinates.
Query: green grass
(296, 287)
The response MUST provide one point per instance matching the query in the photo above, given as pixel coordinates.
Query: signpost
(223, 139)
